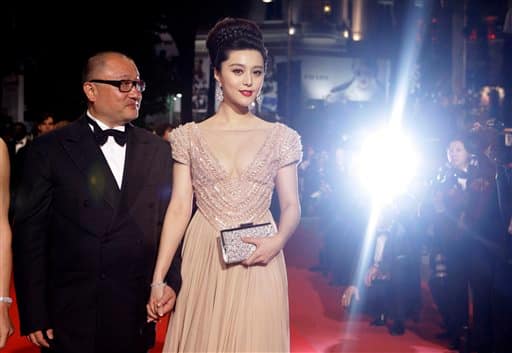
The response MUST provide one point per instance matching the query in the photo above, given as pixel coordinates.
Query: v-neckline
(206, 148)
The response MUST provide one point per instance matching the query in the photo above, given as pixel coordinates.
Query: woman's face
(241, 77)
(457, 155)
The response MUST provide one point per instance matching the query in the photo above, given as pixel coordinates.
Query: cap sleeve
(180, 144)
(291, 148)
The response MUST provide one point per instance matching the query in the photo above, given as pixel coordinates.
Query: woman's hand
(153, 306)
(161, 301)
(6, 328)
(266, 249)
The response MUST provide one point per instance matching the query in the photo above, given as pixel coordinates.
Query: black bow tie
(101, 136)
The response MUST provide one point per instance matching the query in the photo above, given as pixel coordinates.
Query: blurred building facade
(336, 59)
(326, 55)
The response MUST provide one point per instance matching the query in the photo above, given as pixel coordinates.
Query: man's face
(457, 154)
(46, 125)
(107, 102)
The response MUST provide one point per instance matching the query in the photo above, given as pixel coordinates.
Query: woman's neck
(231, 118)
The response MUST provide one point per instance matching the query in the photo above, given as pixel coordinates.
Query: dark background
(50, 42)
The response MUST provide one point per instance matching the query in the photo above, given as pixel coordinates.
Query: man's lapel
(139, 156)
(87, 155)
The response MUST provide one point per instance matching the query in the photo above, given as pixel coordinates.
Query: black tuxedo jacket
(84, 250)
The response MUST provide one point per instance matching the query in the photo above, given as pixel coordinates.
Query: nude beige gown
(230, 308)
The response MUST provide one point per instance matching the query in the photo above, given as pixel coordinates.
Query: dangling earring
(219, 95)
(259, 99)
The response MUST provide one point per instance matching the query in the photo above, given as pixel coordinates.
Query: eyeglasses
(124, 85)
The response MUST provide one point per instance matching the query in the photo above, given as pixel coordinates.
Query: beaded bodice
(229, 200)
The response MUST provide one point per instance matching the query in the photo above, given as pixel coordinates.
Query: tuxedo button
(103, 276)
(86, 203)
(151, 205)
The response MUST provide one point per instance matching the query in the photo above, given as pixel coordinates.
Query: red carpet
(318, 324)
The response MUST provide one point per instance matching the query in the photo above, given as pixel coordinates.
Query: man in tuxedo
(87, 222)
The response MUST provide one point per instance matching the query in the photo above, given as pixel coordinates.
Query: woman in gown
(230, 164)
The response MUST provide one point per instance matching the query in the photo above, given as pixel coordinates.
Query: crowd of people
(457, 216)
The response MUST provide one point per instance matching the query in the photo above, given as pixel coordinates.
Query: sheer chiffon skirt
(227, 308)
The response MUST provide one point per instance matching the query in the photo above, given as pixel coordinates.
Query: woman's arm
(176, 220)
(287, 190)
(6, 328)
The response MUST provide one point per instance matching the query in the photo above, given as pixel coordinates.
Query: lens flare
(386, 164)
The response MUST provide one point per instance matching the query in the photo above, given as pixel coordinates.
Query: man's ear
(90, 91)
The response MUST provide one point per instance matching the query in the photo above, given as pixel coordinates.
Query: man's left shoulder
(149, 137)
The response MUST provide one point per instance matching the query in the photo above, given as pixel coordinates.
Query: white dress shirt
(114, 154)
(379, 248)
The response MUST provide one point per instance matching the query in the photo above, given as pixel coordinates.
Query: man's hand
(39, 339)
(349, 293)
(6, 328)
(167, 301)
(372, 273)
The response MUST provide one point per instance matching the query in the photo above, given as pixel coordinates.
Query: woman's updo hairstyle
(234, 34)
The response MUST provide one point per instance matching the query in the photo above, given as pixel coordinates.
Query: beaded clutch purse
(234, 249)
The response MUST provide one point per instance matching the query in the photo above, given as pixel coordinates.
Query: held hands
(161, 301)
(266, 249)
(6, 328)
